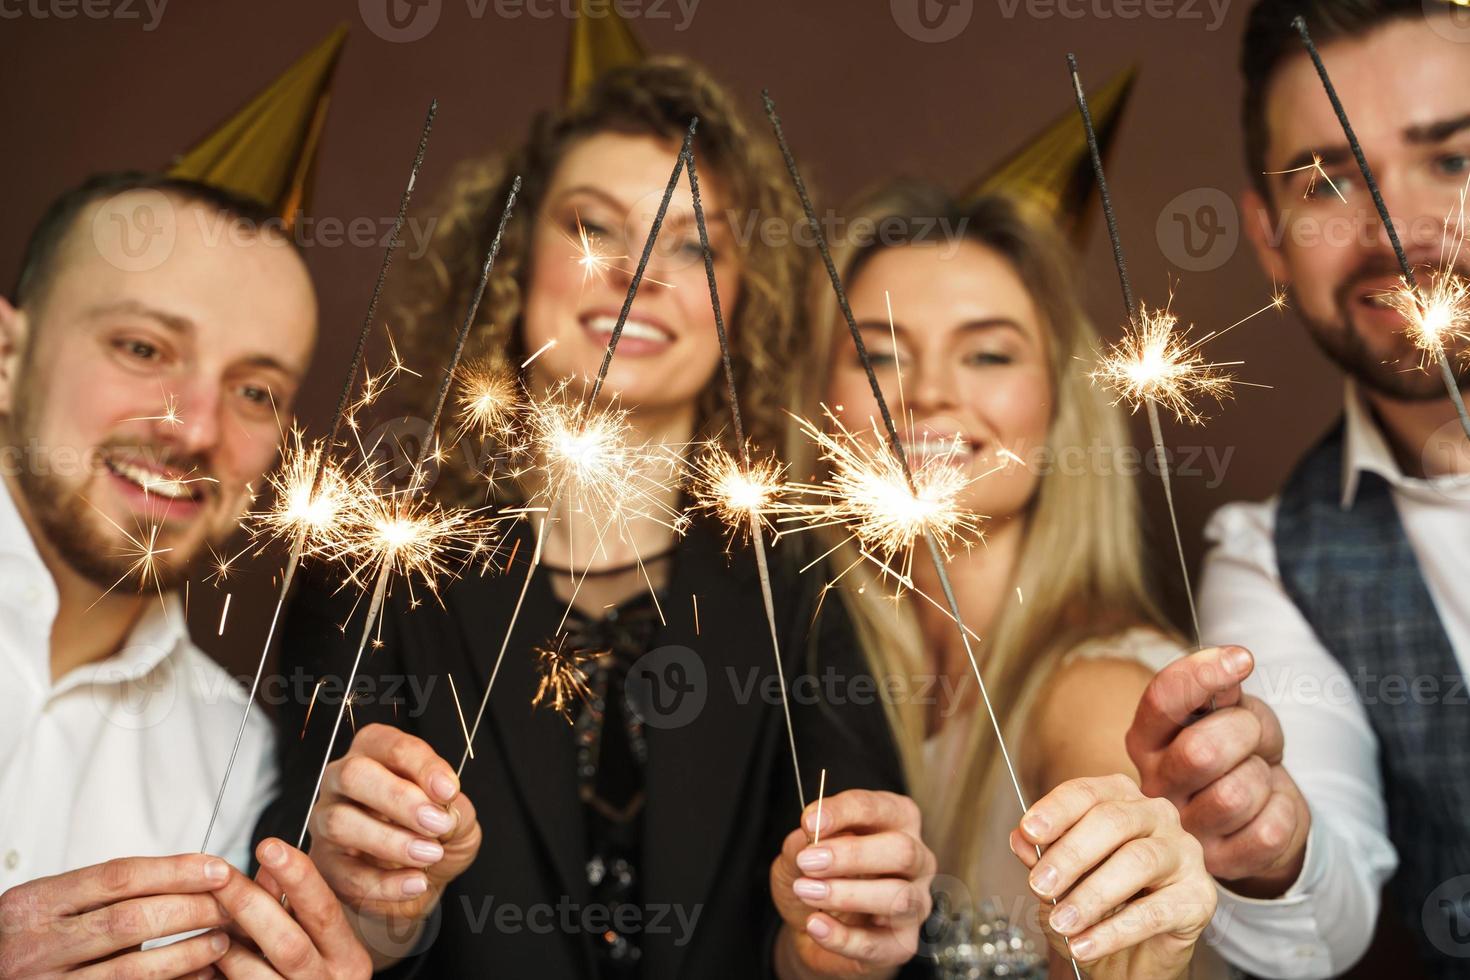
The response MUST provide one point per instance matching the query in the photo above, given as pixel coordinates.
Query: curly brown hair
(657, 98)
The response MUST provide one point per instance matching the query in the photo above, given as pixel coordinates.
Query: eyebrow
(970, 326)
(173, 321)
(671, 218)
(1421, 134)
(183, 325)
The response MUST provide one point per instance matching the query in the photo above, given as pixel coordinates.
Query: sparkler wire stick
(1131, 306)
(298, 544)
(658, 220)
(415, 484)
(515, 614)
(897, 447)
(1446, 372)
(758, 540)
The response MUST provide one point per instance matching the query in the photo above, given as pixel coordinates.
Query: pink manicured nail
(807, 888)
(818, 928)
(814, 859)
(443, 787)
(415, 886)
(434, 820)
(426, 851)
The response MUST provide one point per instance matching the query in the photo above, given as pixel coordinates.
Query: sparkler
(314, 501)
(821, 793)
(1440, 311)
(1317, 173)
(1154, 363)
(488, 398)
(563, 679)
(894, 443)
(1431, 313)
(404, 532)
(746, 490)
(736, 490)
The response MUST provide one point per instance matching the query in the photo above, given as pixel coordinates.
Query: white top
(1000, 878)
(122, 757)
(1324, 923)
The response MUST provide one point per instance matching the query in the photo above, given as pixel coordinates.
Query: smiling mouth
(602, 326)
(174, 487)
(954, 450)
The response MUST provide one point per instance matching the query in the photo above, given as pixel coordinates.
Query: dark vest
(1353, 575)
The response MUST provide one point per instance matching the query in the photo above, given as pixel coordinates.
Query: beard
(90, 544)
(1394, 372)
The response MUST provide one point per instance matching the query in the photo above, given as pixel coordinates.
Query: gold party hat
(601, 40)
(1053, 169)
(267, 149)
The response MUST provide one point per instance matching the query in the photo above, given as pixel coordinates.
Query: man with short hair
(1345, 756)
(158, 332)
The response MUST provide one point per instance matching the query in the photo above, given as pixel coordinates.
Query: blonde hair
(657, 98)
(1081, 565)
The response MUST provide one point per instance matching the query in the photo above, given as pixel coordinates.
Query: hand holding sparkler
(391, 831)
(871, 868)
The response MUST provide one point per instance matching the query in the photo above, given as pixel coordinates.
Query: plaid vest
(1353, 575)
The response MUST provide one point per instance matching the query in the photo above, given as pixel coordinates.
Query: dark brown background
(861, 98)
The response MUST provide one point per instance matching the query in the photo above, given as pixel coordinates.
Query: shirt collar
(159, 632)
(1366, 450)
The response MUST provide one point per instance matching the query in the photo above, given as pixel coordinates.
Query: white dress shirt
(122, 757)
(1324, 923)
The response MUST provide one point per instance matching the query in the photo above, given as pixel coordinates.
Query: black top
(720, 793)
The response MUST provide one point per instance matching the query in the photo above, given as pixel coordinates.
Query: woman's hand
(852, 904)
(1132, 892)
(390, 832)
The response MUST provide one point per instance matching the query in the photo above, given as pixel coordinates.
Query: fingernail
(1064, 918)
(434, 820)
(1035, 825)
(814, 859)
(1015, 843)
(426, 851)
(812, 825)
(808, 889)
(216, 870)
(1238, 660)
(818, 928)
(1082, 948)
(272, 854)
(219, 942)
(443, 786)
(1044, 880)
(416, 885)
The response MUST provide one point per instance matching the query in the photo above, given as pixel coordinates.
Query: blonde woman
(988, 346)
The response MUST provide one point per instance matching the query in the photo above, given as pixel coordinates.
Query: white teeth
(150, 481)
(631, 328)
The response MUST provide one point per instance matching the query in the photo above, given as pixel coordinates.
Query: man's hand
(307, 939)
(852, 904)
(90, 922)
(390, 831)
(1223, 770)
(1132, 892)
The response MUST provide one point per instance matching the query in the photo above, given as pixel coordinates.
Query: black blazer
(721, 794)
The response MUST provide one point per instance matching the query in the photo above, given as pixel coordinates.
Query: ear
(13, 329)
(1261, 227)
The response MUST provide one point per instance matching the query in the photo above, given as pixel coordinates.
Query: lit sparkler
(488, 398)
(403, 532)
(563, 677)
(1438, 312)
(1156, 363)
(1430, 321)
(314, 503)
(895, 444)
